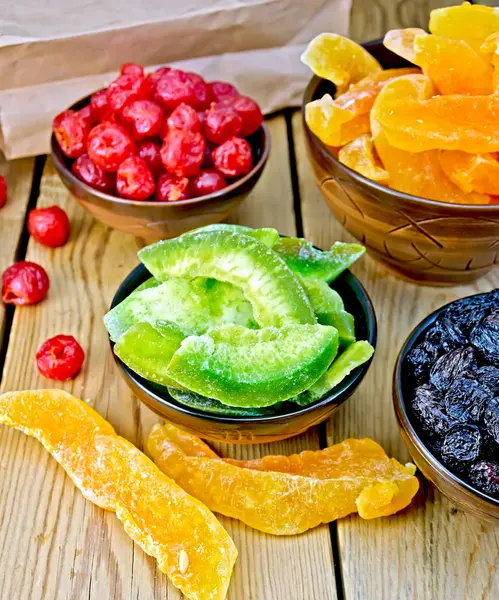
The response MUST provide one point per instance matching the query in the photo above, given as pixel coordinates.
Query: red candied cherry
(201, 117)
(207, 182)
(99, 104)
(156, 75)
(24, 283)
(233, 157)
(132, 69)
(201, 92)
(221, 123)
(71, 132)
(3, 191)
(171, 188)
(108, 145)
(134, 179)
(249, 111)
(182, 152)
(92, 175)
(221, 90)
(175, 87)
(49, 226)
(60, 358)
(184, 117)
(126, 89)
(143, 118)
(86, 114)
(151, 153)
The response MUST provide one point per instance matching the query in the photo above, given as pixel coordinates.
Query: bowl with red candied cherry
(161, 153)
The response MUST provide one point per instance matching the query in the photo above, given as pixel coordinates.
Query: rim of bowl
(394, 194)
(349, 383)
(56, 154)
(401, 404)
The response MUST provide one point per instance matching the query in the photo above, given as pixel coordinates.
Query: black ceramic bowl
(457, 490)
(153, 220)
(264, 428)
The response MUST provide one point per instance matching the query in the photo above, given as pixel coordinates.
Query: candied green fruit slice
(265, 235)
(194, 305)
(209, 405)
(354, 356)
(254, 368)
(344, 322)
(311, 263)
(274, 292)
(147, 350)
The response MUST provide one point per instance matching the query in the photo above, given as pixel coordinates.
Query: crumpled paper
(54, 53)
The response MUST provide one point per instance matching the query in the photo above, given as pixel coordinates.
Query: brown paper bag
(54, 53)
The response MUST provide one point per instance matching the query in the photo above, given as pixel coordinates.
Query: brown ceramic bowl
(423, 240)
(152, 220)
(457, 490)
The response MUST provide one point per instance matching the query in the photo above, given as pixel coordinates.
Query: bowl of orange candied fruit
(403, 138)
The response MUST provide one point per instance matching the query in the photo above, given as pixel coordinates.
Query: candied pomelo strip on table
(274, 292)
(339, 59)
(254, 368)
(274, 502)
(471, 172)
(359, 155)
(311, 263)
(186, 539)
(471, 23)
(332, 124)
(195, 305)
(265, 235)
(453, 65)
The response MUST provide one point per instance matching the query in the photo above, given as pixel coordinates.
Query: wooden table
(54, 545)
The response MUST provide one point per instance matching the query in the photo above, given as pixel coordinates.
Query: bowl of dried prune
(446, 396)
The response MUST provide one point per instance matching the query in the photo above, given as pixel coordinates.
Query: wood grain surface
(54, 545)
(430, 550)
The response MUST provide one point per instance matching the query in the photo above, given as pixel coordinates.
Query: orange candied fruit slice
(471, 172)
(471, 23)
(339, 59)
(452, 65)
(333, 125)
(359, 155)
(184, 537)
(252, 495)
(490, 50)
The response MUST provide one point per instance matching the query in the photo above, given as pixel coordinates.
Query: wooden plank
(54, 544)
(19, 175)
(431, 550)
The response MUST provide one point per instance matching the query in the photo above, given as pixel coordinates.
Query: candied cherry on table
(3, 191)
(108, 145)
(134, 179)
(132, 69)
(184, 117)
(172, 188)
(93, 175)
(143, 118)
(222, 90)
(182, 152)
(24, 283)
(71, 132)
(151, 153)
(60, 358)
(207, 182)
(49, 226)
(99, 103)
(126, 89)
(221, 123)
(249, 111)
(233, 157)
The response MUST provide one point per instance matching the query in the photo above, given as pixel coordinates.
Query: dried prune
(491, 419)
(485, 337)
(485, 475)
(463, 315)
(428, 409)
(421, 359)
(450, 366)
(461, 446)
(465, 400)
(440, 338)
(489, 376)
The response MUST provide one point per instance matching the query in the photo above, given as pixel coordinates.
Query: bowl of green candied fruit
(243, 335)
